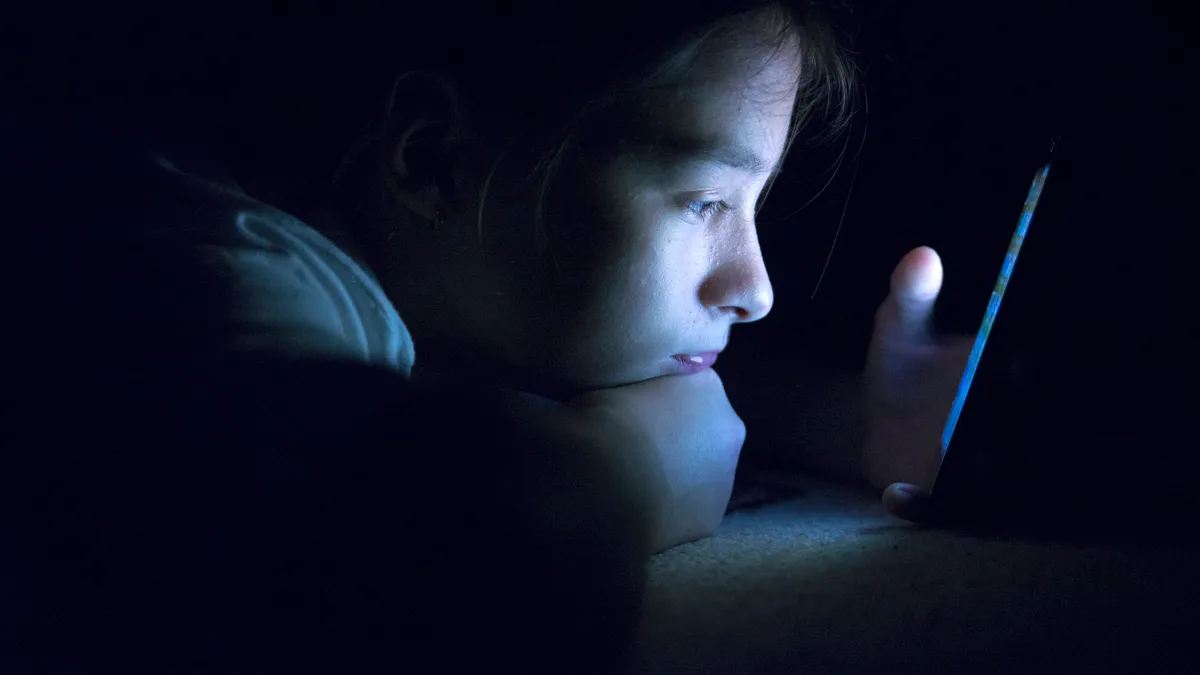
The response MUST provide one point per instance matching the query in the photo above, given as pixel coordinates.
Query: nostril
(740, 312)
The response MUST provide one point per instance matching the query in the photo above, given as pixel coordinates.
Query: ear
(426, 128)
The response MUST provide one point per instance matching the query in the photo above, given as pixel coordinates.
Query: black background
(963, 100)
(960, 101)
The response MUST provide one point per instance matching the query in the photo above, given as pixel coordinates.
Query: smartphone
(993, 307)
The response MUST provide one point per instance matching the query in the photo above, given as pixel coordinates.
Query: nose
(738, 284)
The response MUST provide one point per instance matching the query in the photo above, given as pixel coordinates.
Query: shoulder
(249, 276)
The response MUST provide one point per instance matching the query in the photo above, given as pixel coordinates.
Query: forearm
(600, 465)
(575, 466)
(437, 519)
(579, 524)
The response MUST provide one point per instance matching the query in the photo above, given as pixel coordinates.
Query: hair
(531, 74)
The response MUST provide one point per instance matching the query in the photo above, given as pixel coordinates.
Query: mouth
(694, 363)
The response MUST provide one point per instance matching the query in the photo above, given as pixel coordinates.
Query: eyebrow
(715, 151)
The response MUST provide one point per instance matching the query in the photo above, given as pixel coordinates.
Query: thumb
(915, 285)
(911, 503)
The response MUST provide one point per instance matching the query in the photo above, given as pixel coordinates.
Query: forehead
(737, 94)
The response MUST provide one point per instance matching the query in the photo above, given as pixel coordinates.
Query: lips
(694, 363)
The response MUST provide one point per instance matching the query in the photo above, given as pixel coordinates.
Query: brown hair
(533, 74)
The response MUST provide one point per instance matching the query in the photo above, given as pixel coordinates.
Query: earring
(438, 220)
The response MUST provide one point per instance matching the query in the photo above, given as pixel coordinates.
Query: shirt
(262, 279)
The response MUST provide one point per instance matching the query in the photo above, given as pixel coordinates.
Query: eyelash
(706, 209)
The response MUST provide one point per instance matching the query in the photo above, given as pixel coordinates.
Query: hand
(690, 437)
(912, 377)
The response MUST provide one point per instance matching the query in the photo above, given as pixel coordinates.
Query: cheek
(639, 290)
(623, 254)
(628, 271)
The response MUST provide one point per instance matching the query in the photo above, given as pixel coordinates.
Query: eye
(706, 209)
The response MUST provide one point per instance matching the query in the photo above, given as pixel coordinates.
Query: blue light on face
(1010, 260)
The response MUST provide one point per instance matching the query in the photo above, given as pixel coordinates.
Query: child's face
(654, 253)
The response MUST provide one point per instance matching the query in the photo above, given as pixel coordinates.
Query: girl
(458, 399)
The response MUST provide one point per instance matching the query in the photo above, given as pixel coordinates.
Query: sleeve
(256, 297)
(225, 274)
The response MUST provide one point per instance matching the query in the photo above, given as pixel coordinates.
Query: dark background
(960, 101)
(963, 99)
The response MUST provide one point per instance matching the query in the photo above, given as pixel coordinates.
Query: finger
(910, 503)
(915, 285)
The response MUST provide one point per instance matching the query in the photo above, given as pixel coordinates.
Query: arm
(288, 514)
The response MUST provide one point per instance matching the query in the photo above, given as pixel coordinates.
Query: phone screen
(1010, 260)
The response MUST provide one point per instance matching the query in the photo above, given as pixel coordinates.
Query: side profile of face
(653, 252)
